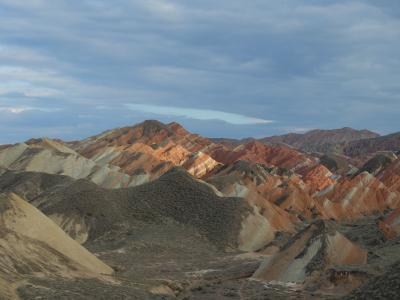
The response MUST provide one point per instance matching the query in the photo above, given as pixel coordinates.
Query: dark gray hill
(176, 197)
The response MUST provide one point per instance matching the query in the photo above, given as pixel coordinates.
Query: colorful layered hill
(152, 148)
(299, 184)
(44, 155)
(309, 255)
(274, 156)
(159, 203)
(149, 150)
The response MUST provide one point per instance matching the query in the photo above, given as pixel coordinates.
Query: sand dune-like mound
(31, 244)
(309, 254)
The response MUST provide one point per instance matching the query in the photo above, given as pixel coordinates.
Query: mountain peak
(178, 128)
(152, 127)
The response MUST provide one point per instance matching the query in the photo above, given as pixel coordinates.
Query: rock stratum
(153, 211)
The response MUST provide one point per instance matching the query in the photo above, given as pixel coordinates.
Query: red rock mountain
(150, 149)
(274, 156)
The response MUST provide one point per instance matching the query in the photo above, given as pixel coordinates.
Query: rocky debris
(386, 286)
(81, 289)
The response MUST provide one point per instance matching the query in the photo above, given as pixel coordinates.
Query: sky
(222, 68)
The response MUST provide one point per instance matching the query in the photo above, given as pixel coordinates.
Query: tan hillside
(33, 245)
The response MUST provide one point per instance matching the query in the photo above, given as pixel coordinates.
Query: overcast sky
(73, 68)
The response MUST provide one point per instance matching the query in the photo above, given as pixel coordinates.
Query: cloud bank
(207, 64)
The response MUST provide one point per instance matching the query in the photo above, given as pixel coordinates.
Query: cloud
(164, 10)
(198, 114)
(22, 109)
(305, 64)
(15, 110)
(297, 129)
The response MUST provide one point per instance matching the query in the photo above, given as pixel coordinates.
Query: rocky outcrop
(309, 255)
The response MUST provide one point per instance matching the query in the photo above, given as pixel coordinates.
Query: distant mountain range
(321, 140)
(153, 211)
